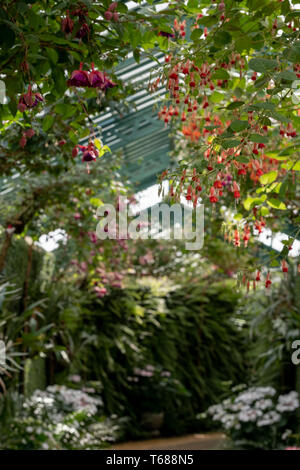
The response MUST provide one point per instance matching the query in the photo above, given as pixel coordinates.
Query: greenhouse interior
(150, 226)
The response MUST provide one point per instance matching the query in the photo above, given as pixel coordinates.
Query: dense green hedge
(175, 354)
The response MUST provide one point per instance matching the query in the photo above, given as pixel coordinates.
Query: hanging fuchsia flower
(79, 77)
(93, 79)
(96, 78)
(83, 31)
(90, 153)
(10, 229)
(67, 24)
(29, 100)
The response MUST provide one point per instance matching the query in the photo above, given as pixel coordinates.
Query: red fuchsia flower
(79, 78)
(284, 266)
(236, 238)
(29, 100)
(67, 24)
(10, 229)
(75, 151)
(257, 276)
(236, 190)
(213, 198)
(246, 236)
(268, 281)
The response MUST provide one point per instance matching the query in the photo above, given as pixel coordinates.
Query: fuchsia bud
(75, 151)
(29, 133)
(108, 15)
(23, 141)
(113, 6)
(67, 24)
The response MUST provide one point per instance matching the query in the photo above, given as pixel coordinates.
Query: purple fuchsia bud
(79, 78)
(67, 24)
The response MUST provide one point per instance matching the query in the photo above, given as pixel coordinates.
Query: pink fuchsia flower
(67, 24)
(79, 78)
(100, 291)
(93, 237)
(29, 100)
(77, 216)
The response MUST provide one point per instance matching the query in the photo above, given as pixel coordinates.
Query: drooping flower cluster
(29, 100)
(91, 79)
(81, 26)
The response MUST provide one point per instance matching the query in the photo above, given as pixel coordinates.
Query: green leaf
(196, 34)
(250, 202)
(276, 204)
(48, 122)
(262, 65)
(235, 104)
(268, 178)
(238, 125)
(230, 143)
(216, 97)
(261, 139)
(287, 75)
(221, 74)
(98, 144)
(291, 165)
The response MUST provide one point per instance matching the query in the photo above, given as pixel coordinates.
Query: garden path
(208, 441)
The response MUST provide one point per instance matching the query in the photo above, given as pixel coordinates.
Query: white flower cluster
(56, 397)
(257, 405)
